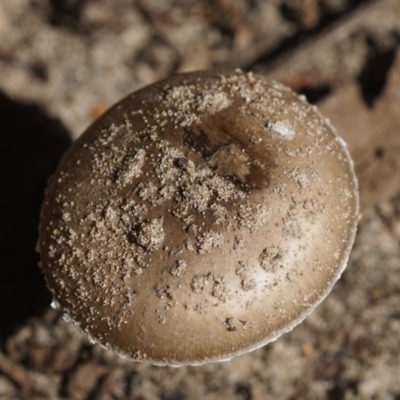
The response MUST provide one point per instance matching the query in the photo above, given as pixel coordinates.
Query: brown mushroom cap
(200, 218)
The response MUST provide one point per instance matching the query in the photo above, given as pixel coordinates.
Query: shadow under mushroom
(32, 143)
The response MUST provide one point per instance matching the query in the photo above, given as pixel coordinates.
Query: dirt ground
(64, 62)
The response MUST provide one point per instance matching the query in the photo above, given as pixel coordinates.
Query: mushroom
(198, 219)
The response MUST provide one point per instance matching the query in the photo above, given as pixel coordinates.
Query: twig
(304, 57)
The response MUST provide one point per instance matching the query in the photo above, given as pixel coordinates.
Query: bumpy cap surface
(198, 219)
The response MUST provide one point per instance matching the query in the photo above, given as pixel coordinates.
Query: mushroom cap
(199, 218)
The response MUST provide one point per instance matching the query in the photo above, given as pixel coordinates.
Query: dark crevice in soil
(177, 394)
(316, 93)
(67, 14)
(372, 79)
(244, 391)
